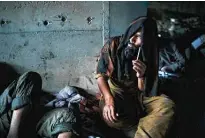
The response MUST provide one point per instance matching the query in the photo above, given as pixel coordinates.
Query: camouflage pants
(57, 121)
(19, 93)
(26, 91)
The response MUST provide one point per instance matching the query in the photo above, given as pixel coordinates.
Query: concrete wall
(60, 40)
(123, 13)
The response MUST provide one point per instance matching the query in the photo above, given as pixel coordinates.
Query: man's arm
(104, 88)
(16, 121)
(140, 69)
(109, 109)
(141, 84)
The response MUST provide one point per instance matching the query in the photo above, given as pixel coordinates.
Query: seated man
(127, 76)
(170, 59)
(16, 102)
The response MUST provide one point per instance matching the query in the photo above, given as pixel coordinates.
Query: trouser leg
(58, 121)
(159, 118)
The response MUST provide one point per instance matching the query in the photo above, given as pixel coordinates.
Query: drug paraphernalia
(138, 54)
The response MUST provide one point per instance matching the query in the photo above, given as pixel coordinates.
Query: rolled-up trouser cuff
(65, 127)
(19, 102)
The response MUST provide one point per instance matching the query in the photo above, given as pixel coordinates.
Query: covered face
(133, 45)
(136, 39)
(142, 33)
(132, 39)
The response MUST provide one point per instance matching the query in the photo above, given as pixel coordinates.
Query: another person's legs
(159, 119)
(59, 123)
(16, 101)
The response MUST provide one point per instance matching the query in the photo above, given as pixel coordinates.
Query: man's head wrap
(149, 53)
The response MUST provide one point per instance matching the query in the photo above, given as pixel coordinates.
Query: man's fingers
(140, 72)
(113, 113)
(137, 69)
(138, 61)
(105, 114)
(141, 65)
(109, 115)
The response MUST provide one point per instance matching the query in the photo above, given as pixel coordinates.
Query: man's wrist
(107, 96)
(109, 101)
(142, 77)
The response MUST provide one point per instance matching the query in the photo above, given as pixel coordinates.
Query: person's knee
(28, 88)
(30, 83)
(62, 120)
(68, 121)
(167, 106)
(34, 77)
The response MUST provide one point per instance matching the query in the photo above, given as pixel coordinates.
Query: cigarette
(138, 53)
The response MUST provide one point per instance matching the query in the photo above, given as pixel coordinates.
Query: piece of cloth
(66, 97)
(19, 93)
(170, 56)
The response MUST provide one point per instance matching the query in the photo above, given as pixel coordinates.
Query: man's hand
(139, 67)
(109, 110)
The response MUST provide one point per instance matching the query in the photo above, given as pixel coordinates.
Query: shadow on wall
(8, 74)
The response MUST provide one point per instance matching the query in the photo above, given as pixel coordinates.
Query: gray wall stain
(48, 55)
(26, 43)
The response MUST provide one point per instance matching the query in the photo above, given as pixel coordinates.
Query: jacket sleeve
(102, 62)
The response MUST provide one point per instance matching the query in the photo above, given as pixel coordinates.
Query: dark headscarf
(149, 54)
